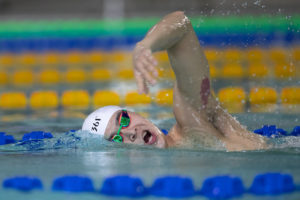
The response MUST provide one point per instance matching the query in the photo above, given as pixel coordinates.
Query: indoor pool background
(54, 72)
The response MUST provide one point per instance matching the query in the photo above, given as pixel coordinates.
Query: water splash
(290, 143)
(86, 141)
(74, 140)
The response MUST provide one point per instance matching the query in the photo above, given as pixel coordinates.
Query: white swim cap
(97, 121)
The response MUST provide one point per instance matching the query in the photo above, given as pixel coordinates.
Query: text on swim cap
(96, 124)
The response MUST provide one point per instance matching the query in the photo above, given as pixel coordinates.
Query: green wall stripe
(204, 25)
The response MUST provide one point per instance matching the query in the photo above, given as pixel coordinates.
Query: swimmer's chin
(161, 140)
(160, 143)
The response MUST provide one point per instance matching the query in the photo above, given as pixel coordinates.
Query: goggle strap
(118, 133)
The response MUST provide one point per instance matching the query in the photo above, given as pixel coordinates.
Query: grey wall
(140, 8)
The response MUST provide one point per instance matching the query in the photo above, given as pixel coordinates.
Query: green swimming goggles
(124, 122)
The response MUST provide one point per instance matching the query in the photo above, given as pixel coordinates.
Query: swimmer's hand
(144, 67)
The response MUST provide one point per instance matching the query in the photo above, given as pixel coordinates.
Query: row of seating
(234, 99)
(27, 77)
(277, 55)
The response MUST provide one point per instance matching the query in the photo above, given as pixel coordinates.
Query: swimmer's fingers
(149, 56)
(146, 88)
(145, 56)
(151, 64)
(141, 84)
(150, 67)
(142, 67)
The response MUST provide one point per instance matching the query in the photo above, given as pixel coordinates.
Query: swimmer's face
(140, 131)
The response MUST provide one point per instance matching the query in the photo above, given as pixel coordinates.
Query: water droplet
(244, 5)
(258, 2)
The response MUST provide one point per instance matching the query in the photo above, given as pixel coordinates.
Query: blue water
(86, 154)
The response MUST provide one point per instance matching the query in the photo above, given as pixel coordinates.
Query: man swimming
(199, 116)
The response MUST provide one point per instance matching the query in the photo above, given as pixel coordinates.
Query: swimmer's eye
(116, 138)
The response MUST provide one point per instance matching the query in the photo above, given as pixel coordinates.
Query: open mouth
(148, 137)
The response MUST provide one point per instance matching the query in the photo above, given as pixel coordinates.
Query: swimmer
(199, 116)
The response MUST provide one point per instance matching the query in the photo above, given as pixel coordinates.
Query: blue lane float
(23, 183)
(6, 139)
(271, 131)
(73, 183)
(274, 132)
(296, 131)
(123, 185)
(222, 187)
(218, 187)
(36, 135)
(173, 187)
(272, 184)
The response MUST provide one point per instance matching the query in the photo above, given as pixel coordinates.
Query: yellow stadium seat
(133, 98)
(77, 99)
(232, 71)
(95, 57)
(3, 78)
(51, 59)
(119, 57)
(255, 55)
(49, 76)
(211, 55)
(101, 74)
(164, 97)
(233, 55)
(290, 99)
(233, 99)
(105, 98)
(278, 55)
(75, 76)
(214, 72)
(23, 78)
(161, 72)
(290, 95)
(73, 58)
(6, 60)
(13, 100)
(258, 70)
(126, 74)
(285, 70)
(28, 59)
(162, 56)
(263, 99)
(165, 73)
(44, 99)
(296, 54)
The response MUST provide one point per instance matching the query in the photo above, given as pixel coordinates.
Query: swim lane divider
(216, 187)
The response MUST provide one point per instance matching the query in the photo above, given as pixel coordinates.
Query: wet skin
(195, 109)
(140, 131)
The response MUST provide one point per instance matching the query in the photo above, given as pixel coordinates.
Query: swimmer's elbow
(181, 17)
(178, 13)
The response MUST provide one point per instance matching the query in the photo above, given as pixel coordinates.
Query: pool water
(92, 156)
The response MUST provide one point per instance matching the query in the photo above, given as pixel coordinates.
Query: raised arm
(195, 109)
(175, 34)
